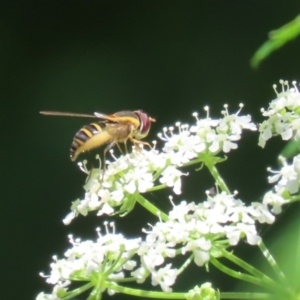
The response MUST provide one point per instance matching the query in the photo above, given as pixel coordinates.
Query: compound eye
(145, 123)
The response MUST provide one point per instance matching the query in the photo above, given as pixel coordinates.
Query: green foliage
(277, 39)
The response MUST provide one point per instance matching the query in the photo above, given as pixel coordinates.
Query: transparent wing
(111, 118)
(118, 131)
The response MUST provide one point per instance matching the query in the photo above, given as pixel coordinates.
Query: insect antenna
(65, 114)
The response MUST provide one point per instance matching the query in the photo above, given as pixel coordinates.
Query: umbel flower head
(203, 229)
(144, 170)
(198, 231)
(103, 261)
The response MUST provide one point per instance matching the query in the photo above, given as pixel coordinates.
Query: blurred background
(169, 58)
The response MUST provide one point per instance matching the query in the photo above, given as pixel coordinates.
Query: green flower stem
(292, 199)
(150, 207)
(115, 263)
(193, 162)
(158, 173)
(145, 294)
(270, 285)
(163, 295)
(297, 253)
(241, 263)
(127, 279)
(214, 172)
(78, 291)
(210, 163)
(280, 275)
(252, 296)
(186, 264)
(96, 294)
(122, 261)
(157, 188)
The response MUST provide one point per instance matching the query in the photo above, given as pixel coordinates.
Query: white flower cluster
(199, 228)
(129, 174)
(104, 260)
(138, 171)
(202, 229)
(283, 118)
(206, 136)
(283, 115)
(287, 181)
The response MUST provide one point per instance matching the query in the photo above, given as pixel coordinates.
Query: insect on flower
(110, 129)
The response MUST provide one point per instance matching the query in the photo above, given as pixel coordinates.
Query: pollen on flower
(171, 201)
(83, 166)
(295, 86)
(111, 152)
(225, 112)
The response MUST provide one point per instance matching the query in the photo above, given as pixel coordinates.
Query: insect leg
(134, 141)
(125, 143)
(119, 147)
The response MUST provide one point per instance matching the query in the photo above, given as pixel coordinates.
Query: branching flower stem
(219, 180)
(186, 264)
(264, 281)
(150, 207)
(157, 188)
(78, 291)
(211, 165)
(280, 275)
(247, 267)
(145, 294)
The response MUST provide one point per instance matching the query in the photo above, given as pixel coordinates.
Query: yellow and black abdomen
(89, 137)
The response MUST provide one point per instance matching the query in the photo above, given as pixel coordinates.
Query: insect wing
(101, 116)
(118, 131)
(110, 118)
(125, 117)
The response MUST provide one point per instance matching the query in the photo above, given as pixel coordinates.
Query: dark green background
(168, 58)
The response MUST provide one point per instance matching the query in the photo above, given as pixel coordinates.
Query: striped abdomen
(89, 137)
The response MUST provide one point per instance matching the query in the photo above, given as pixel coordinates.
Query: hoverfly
(110, 129)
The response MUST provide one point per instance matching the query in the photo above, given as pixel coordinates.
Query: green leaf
(291, 149)
(277, 38)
